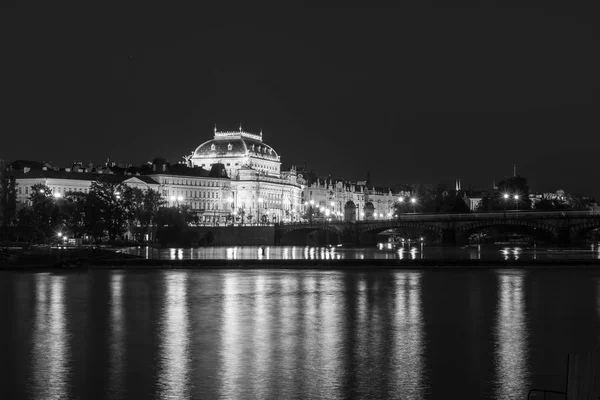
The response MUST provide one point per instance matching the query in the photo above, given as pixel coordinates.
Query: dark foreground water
(269, 334)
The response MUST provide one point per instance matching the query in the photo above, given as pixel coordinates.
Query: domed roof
(236, 144)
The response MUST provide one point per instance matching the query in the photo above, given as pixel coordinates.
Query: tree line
(107, 211)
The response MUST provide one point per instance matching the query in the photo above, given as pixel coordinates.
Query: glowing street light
(413, 201)
(180, 198)
(506, 196)
(57, 195)
(401, 199)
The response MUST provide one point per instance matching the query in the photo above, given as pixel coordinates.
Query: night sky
(413, 94)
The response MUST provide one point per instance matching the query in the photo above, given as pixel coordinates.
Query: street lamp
(260, 201)
(506, 196)
(230, 201)
(517, 201)
(413, 201)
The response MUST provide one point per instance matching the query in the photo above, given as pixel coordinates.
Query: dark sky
(412, 94)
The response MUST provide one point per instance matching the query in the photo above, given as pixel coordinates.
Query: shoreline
(302, 264)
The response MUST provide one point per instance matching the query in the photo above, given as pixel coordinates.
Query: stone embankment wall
(217, 236)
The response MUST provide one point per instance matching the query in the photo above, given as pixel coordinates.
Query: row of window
(62, 190)
(210, 165)
(190, 182)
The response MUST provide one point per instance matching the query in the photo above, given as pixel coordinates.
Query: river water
(293, 334)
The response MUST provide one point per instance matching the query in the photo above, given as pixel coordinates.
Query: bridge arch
(529, 226)
(383, 226)
(368, 233)
(576, 231)
(309, 234)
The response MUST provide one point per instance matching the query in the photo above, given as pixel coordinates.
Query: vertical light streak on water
(231, 341)
(50, 339)
(174, 362)
(262, 348)
(289, 325)
(331, 314)
(511, 339)
(117, 340)
(310, 335)
(362, 346)
(408, 345)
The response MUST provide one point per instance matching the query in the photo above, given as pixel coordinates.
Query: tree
(452, 203)
(106, 210)
(8, 198)
(72, 213)
(549, 205)
(45, 219)
(575, 202)
(177, 217)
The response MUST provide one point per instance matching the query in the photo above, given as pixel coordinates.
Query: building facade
(259, 190)
(331, 198)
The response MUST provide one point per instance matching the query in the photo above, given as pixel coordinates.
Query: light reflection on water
(230, 354)
(174, 379)
(300, 334)
(511, 336)
(117, 332)
(51, 339)
(408, 340)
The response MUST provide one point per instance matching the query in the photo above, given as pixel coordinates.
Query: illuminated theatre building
(258, 189)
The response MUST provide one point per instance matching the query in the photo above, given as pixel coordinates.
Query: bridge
(454, 229)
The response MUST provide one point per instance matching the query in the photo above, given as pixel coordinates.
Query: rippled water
(268, 334)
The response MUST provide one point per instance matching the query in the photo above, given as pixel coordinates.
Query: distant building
(335, 198)
(258, 187)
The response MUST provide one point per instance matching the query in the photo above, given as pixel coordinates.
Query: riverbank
(141, 264)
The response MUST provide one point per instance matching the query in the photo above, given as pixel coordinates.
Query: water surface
(293, 334)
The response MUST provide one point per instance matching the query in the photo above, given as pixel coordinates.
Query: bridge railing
(512, 214)
(502, 214)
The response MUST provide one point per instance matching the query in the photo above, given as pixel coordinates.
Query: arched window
(229, 147)
(212, 147)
